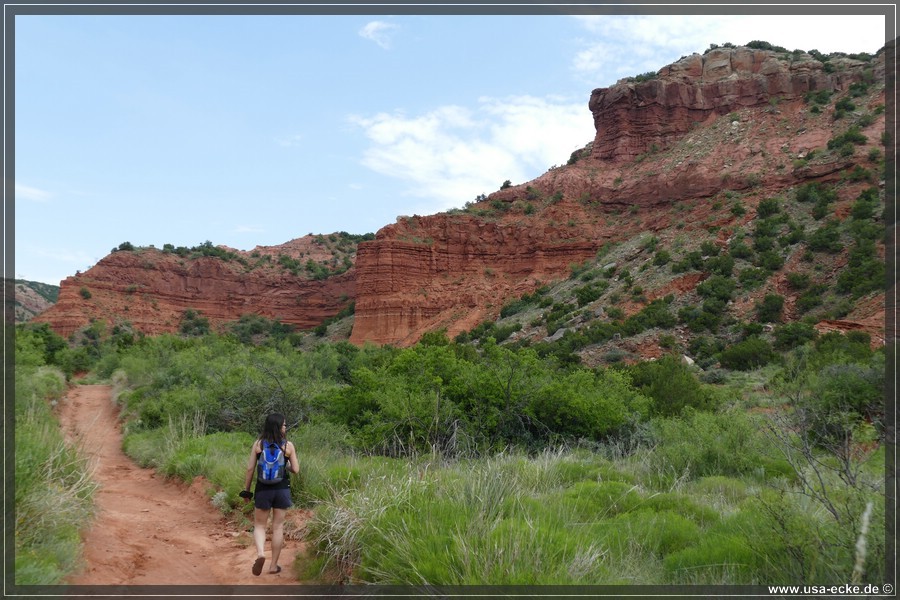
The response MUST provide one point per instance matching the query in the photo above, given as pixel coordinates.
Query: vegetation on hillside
(460, 463)
(341, 247)
(53, 489)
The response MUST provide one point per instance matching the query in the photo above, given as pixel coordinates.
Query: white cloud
(452, 154)
(31, 193)
(289, 141)
(620, 46)
(64, 255)
(379, 32)
(249, 229)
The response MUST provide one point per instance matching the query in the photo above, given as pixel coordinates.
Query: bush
(747, 355)
(852, 136)
(767, 208)
(672, 386)
(587, 294)
(589, 405)
(816, 192)
(703, 444)
(717, 286)
(864, 273)
(791, 335)
(769, 310)
(720, 265)
(770, 260)
(826, 238)
(797, 281)
(193, 324)
(738, 249)
(811, 298)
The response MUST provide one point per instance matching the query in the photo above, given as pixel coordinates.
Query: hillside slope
(33, 298)
(670, 156)
(678, 182)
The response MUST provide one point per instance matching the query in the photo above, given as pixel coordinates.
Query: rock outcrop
(30, 301)
(634, 118)
(458, 276)
(152, 289)
(665, 153)
(731, 120)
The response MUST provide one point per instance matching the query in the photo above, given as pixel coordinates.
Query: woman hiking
(272, 457)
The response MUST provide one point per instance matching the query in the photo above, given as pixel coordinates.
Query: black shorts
(277, 498)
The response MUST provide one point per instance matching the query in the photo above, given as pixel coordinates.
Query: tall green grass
(571, 518)
(54, 490)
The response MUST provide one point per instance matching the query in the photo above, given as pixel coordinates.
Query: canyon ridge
(673, 160)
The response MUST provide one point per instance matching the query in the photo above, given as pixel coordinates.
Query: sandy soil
(152, 531)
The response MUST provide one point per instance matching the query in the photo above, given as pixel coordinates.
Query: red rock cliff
(733, 119)
(632, 118)
(152, 289)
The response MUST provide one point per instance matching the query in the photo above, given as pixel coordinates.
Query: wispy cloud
(379, 32)
(64, 255)
(32, 193)
(249, 229)
(451, 154)
(289, 141)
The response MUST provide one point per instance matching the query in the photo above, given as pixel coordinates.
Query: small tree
(769, 310)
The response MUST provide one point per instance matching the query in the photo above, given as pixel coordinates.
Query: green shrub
(672, 386)
(703, 444)
(852, 136)
(767, 208)
(588, 405)
(826, 238)
(747, 354)
(717, 286)
(865, 272)
(738, 249)
(791, 335)
(797, 281)
(193, 324)
(811, 298)
(770, 260)
(587, 294)
(53, 487)
(816, 192)
(720, 265)
(769, 310)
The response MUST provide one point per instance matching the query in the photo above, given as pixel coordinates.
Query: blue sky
(255, 130)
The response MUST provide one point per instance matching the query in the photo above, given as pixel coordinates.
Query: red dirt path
(149, 530)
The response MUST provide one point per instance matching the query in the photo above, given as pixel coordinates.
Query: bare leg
(260, 519)
(278, 515)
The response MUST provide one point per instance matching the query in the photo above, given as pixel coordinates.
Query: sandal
(258, 565)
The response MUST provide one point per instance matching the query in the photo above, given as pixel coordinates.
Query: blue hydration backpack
(270, 463)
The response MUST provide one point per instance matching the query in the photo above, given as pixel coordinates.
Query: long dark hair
(271, 431)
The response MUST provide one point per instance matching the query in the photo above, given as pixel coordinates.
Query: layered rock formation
(633, 118)
(456, 278)
(152, 289)
(664, 152)
(733, 119)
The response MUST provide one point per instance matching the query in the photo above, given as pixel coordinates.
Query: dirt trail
(153, 531)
